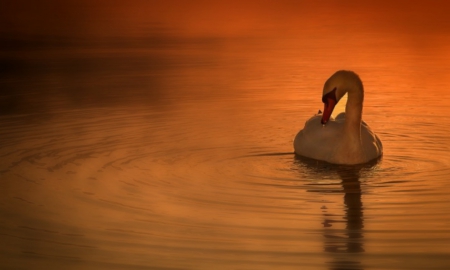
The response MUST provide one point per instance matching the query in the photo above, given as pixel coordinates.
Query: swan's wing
(379, 143)
(315, 140)
(371, 141)
(341, 118)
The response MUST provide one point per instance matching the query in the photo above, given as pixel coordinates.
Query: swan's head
(335, 88)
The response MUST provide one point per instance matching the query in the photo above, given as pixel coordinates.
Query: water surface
(173, 150)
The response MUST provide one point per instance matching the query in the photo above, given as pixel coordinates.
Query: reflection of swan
(347, 139)
(343, 244)
(351, 240)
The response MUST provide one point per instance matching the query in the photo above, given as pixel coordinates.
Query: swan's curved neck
(353, 113)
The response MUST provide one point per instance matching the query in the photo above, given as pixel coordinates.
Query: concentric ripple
(137, 188)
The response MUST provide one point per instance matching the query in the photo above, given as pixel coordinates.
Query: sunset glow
(159, 135)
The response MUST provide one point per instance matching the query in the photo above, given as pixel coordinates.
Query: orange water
(171, 147)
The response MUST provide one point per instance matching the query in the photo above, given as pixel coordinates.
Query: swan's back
(310, 141)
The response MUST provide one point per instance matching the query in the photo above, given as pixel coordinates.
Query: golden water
(175, 152)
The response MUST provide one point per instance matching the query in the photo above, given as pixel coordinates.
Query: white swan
(346, 139)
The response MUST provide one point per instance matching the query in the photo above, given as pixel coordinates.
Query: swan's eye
(330, 95)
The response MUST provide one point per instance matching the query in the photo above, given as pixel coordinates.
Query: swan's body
(346, 139)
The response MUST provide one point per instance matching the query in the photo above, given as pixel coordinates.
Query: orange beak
(329, 101)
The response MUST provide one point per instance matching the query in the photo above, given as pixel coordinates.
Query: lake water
(174, 150)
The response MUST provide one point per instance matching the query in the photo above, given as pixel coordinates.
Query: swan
(347, 139)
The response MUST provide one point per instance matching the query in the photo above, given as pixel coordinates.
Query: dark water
(174, 151)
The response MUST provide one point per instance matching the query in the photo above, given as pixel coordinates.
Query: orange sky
(201, 17)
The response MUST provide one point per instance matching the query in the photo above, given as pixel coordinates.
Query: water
(174, 150)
